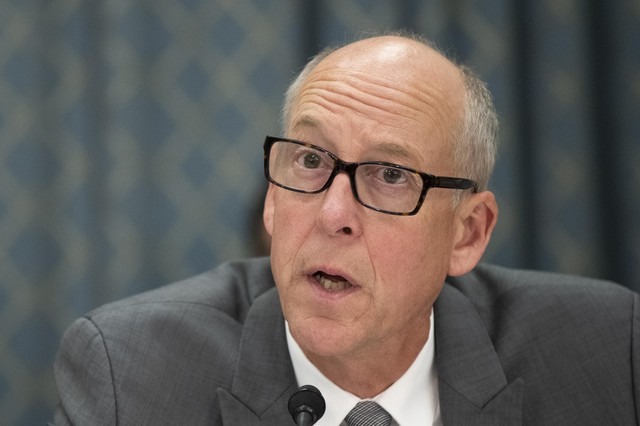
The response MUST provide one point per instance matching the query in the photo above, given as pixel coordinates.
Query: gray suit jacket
(512, 347)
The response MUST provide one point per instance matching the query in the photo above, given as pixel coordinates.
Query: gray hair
(475, 146)
(475, 140)
(293, 91)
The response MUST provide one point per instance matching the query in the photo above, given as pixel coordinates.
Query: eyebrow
(393, 149)
(306, 121)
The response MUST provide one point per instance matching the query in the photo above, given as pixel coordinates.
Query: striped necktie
(368, 413)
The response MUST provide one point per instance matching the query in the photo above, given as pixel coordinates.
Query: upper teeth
(329, 284)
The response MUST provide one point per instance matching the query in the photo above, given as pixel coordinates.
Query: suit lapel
(472, 385)
(264, 378)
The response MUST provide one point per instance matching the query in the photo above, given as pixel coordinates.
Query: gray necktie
(368, 413)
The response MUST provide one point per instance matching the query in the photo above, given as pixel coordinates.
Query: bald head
(396, 57)
(398, 64)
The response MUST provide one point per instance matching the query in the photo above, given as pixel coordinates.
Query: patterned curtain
(131, 130)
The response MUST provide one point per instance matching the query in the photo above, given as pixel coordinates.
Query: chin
(322, 337)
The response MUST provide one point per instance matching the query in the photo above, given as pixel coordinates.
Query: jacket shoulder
(186, 322)
(168, 349)
(488, 284)
(537, 302)
(230, 289)
(572, 339)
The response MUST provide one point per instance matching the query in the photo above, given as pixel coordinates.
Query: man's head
(352, 280)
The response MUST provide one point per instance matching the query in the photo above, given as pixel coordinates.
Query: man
(378, 194)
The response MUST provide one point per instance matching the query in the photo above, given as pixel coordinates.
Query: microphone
(306, 405)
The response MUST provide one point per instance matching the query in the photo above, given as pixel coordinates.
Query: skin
(389, 99)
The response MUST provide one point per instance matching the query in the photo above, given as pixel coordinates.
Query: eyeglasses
(384, 187)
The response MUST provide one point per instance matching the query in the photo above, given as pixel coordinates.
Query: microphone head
(307, 399)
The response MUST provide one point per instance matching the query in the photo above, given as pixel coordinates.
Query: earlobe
(267, 213)
(477, 218)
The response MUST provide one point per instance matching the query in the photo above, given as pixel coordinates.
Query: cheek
(291, 226)
(401, 240)
(409, 277)
(412, 256)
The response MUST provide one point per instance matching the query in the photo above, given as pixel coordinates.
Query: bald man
(379, 212)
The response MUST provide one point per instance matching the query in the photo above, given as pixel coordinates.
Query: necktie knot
(368, 413)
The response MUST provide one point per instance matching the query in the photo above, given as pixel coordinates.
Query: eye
(393, 176)
(311, 160)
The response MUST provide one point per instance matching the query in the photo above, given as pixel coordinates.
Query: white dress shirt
(411, 400)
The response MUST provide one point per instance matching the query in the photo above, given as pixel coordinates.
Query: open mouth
(331, 282)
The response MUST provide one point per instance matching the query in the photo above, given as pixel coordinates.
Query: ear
(475, 219)
(267, 213)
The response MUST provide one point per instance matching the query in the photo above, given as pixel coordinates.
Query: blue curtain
(131, 130)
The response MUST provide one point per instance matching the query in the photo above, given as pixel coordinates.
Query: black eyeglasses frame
(428, 180)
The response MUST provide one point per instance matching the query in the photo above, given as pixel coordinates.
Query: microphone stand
(304, 418)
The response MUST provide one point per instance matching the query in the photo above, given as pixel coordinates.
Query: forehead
(399, 100)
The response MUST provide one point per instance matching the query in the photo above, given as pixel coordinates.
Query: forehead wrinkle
(342, 89)
(369, 92)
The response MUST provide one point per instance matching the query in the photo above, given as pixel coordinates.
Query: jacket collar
(264, 378)
(473, 387)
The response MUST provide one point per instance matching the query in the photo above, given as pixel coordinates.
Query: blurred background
(131, 132)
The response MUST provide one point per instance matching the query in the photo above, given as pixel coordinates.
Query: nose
(339, 212)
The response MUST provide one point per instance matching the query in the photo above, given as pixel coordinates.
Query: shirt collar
(412, 396)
